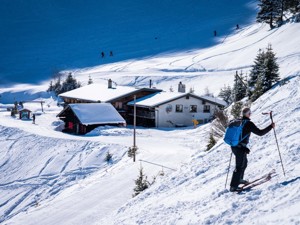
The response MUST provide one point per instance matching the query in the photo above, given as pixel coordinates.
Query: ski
(260, 178)
(265, 178)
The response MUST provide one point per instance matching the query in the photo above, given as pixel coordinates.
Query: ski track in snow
(45, 185)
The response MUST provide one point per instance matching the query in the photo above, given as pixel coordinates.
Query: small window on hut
(193, 108)
(179, 108)
(206, 108)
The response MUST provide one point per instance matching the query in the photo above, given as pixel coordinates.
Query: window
(118, 105)
(179, 108)
(193, 108)
(206, 108)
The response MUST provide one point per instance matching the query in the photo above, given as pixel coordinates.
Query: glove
(247, 150)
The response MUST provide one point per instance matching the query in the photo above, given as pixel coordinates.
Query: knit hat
(245, 111)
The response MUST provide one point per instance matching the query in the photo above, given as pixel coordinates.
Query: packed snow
(97, 113)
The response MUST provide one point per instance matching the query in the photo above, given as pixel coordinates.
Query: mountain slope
(196, 195)
(40, 38)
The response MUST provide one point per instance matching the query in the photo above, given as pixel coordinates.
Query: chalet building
(82, 118)
(169, 109)
(98, 93)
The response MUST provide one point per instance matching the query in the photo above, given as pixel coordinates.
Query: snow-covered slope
(40, 38)
(48, 177)
(52, 177)
(195, 194)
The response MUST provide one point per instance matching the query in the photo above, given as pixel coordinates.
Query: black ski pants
(240, 165)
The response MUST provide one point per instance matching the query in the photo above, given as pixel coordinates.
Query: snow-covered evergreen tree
(236, 110)
(108, 157)
(226, 94)
(69, 84)
(293, 6)
(269, 12)
(211, 141)
(141, 183)
(57, 86)
(258, 89)
(51, 87)
(271, 70)
(257, 70)
(239, 90)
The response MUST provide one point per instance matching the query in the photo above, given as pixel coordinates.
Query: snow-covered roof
(214, 99)
(157, 99)
(96, 113)
(160, 98)
(99, 92)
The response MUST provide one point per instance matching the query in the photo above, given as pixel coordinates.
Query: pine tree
(51, 87)
(108, 157)
(211, 142)
(57, 86)
(141, 183)
(69, 84)
(90, 81)
(258, 89)
(271, 71)
(257, 70)
(236, 109)
(239, 90)
(226, 94)
(293, 6)
(269, 12)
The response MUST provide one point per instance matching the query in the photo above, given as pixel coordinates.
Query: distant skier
(237, 27)
(215, 33)
(241, 150)
(102, 54)
(111, 54)
(33, 118)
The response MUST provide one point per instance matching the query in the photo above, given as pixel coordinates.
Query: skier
(102, 54)
(111, 53)
(215, 33)
(241, 150)
(237, 27)
(33, 118)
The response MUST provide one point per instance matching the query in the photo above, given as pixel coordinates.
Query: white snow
(49, 177)
(195, 194)
(98, 92)
(96, 113)
(157, 99)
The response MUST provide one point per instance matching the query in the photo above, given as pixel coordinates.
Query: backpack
(233, 133)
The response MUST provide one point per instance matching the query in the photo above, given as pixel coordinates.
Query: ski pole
(228, 170)
(271, 116)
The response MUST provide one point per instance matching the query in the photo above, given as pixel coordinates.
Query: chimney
(181, 87)
(150, 83)
(109, 83)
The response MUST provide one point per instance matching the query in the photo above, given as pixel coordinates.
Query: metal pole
(228, 169)
(134, 125)
(277, 144)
